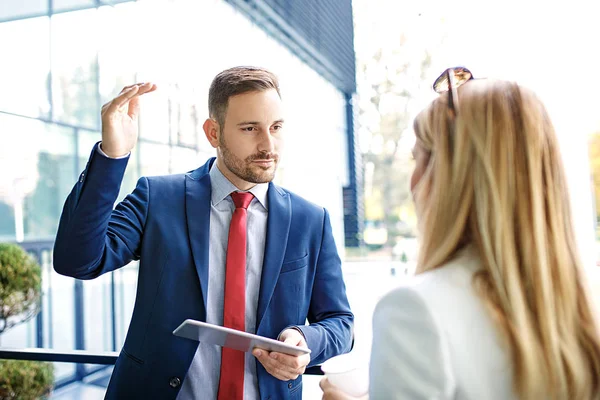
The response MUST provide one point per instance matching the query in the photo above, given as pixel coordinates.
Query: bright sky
(549, 46)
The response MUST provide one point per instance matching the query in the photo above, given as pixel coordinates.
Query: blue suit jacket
(164, 223)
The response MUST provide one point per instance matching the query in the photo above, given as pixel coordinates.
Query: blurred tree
(594, 149)
(20, 286)
(394, 69)
(391, 99)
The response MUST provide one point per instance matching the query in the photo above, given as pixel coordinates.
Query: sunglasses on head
(449, 81)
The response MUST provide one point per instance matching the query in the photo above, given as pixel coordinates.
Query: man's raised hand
(120, 120)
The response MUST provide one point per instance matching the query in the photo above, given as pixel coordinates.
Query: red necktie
(231, 384)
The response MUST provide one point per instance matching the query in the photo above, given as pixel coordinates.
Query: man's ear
(211, 130)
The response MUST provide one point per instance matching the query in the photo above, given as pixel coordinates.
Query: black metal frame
(71, 356)
(83, 357)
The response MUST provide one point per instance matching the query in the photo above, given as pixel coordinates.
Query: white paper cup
(349, 373)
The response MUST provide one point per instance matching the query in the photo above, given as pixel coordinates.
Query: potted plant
(20, 298)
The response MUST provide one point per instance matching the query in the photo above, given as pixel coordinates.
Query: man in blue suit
(178, 226)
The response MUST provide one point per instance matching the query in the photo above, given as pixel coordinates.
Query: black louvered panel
(326, 26)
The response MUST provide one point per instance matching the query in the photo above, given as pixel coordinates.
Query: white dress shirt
(433, 338)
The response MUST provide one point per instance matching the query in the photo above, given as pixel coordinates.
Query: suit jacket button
(290, 385)
(174, 382)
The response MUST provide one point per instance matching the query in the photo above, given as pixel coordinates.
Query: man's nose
(267, 142)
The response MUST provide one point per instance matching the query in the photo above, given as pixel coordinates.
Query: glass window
(22, 8)
(56, 177)
(155, 159)
(154, 122)
(7, 220)
(185, 117)
(64, 5)
(74, 68)
(117, 64)
(87, 141)
(62, 319)
(58, 312)
(19, 336)
(38, 172)
(25, 70)
(204, 155)
(98, 317)
(184, 160)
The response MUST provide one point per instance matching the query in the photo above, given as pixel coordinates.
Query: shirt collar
(221, 187)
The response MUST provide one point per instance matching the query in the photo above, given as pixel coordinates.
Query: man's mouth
(264, 163)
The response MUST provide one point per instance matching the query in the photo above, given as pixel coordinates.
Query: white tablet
(234, 339)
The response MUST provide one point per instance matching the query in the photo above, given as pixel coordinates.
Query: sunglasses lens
(461, 75)
(441, 84)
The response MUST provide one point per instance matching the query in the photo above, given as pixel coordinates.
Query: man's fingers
(286, 363)
(134, 107)
(292, 340)
(130, 92)
(126, 88)
(144, 88)
(123, 98)
(281, 375)
(270, 363)
(324, 384)
(281, 362)
(291, 363)
(296, 363)
(276, 368)
(141, 85)
(151, 88)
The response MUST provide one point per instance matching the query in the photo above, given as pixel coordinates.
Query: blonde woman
(499, 308)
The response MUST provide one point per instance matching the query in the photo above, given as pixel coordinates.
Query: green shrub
(25, 380)
(20, 293)
(20, 286)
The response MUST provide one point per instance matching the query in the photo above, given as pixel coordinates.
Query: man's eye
(277, 127)
(248, 129)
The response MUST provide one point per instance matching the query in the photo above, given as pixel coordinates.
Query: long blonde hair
(496, 181)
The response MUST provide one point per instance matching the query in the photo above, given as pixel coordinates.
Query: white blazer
(433, 339)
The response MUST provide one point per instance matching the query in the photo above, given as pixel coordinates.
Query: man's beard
(246, 169)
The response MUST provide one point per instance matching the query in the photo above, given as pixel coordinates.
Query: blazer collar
(197, 205)
(197, 209)
(278, 228)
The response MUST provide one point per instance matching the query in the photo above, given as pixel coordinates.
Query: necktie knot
(242, 199)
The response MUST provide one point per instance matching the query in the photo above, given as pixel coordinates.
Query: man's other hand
(283, 366)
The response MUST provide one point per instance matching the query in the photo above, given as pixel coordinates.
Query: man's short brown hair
(234, 81)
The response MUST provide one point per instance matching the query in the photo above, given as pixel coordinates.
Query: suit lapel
(278, 228)
(197, 209)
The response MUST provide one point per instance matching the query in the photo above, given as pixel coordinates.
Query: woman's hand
(331, 392)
